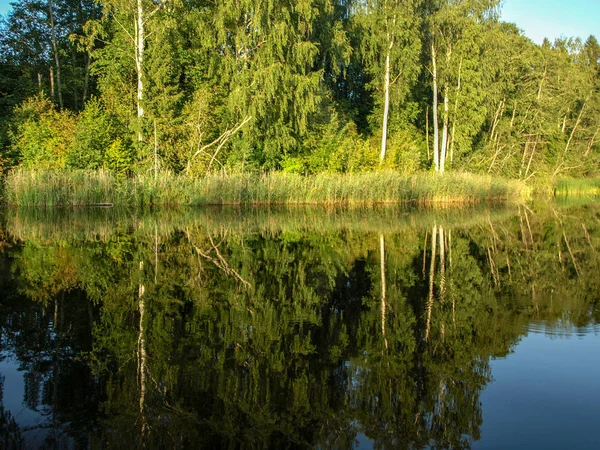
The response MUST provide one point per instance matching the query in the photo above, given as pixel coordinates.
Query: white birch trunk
(139, 60)
(445, 132)
(52, 82)
(436, 133)
(386, 107)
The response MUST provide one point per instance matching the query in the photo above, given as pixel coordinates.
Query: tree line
(304, 86)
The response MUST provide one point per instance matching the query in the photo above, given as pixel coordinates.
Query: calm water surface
(302, 328)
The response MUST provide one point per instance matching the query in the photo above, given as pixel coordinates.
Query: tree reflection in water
(225, 328)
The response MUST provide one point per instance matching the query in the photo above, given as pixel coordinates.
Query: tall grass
(87, 188)
(587, 187)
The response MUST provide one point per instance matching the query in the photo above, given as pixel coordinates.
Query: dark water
(301, 328)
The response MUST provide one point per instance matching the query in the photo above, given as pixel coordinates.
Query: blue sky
(553, 18)
(538, 18)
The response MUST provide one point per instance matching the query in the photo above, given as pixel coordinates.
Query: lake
(301, 328)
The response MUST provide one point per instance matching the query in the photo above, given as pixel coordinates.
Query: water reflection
(271, 328)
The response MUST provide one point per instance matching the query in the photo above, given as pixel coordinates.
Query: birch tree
(454, 29)
(391, 49)
(123, 29)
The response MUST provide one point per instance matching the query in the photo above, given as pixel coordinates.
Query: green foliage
(42, 135)
(94, 133)
(118, 158)
(577, 187)
(406, 153)
(255, 85)
(391, 29)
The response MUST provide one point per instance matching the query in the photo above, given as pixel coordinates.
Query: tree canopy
(304, 86)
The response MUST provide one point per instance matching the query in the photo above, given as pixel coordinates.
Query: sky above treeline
(538, 18)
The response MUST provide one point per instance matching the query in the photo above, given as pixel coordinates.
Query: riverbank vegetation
(589, 187)
(50, 188)
(310, 87)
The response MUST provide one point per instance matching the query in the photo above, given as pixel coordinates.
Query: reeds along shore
(587, 187)
(92, 188)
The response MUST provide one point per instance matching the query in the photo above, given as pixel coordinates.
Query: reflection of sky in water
(546, 394)
(13, 401)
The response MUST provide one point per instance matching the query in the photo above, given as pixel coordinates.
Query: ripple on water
(562, 329)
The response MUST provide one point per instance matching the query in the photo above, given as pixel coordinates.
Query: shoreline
(100, 188)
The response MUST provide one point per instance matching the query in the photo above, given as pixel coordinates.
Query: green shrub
(118, 158)
(42, 135)
(404, 152)
(94, 133)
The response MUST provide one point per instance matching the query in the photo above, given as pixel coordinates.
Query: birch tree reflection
(207, 333)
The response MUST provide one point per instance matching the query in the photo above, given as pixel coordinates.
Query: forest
(305, 86)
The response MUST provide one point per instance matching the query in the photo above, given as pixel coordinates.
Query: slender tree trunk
(73, 16)
(575, 128)
(55, 51)
(88, 61)
(425, 255)
(514, 114)
(386, 107)
(75, 94)
(445, 131)
(52, 83)
(436, 133)
(86, 81)
(139, 61)
(444, 149)
(455, 119)
(39, 82)
(591, 144)
(539, 94)
(531, 158)
(427, 132)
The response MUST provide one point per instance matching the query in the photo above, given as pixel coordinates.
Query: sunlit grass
(586, 187)
(90, 188)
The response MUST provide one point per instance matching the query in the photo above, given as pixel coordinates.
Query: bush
(118, 158)
(405, 153)
(42, 135)
(93, 136)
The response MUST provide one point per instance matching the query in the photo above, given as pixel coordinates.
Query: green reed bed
(348, 189)
(582, 187)
(92, 188)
